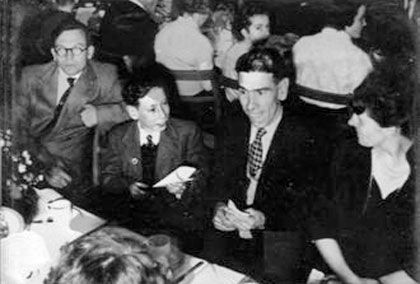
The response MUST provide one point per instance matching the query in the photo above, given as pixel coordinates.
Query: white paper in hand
(181, 174)
(241, 216)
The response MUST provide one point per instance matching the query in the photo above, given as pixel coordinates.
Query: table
(210, 273)
(57, 234)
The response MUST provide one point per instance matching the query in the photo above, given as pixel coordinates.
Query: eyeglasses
(75, 51)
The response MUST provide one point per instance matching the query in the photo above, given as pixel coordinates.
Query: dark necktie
(148, 152)
(255, 153)
(59, 107)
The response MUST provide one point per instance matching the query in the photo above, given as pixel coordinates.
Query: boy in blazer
(143, 151)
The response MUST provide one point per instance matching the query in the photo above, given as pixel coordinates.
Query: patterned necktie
(255, 153)
(64, 97)
(59, 107)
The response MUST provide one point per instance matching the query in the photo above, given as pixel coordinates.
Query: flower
(19, 167)
(21, 174)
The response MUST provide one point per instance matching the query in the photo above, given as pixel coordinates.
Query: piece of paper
(181, 174)
(241, 216)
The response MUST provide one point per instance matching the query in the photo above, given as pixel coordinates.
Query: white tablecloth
(30, 261)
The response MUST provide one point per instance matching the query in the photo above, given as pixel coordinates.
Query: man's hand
(58, 178)
(177, 188)
(220, 221)
(136, 189)
(89, 116)
(254, 220)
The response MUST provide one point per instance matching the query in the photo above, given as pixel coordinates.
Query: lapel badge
(134, 161)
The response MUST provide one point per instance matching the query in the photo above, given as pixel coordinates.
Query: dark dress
(375, 234)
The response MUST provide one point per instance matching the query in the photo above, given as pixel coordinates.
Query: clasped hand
(89, 116)
(226, 220)
(57, 177)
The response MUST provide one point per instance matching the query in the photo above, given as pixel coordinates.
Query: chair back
(215, 97)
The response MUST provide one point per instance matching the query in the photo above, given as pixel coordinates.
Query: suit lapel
(49, 85)
(167, 147)
(131, 142)
(83, 89)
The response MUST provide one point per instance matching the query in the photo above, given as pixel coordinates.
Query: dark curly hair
(111, 255)
(139, 85)
(242, 19)
(267, 60)
(387, 95)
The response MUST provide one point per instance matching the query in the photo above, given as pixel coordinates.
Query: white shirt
(63, 84)
(388, 176)
(330, 62)
(180, 45)
(144, 133)
(266, 143)
(138, 4)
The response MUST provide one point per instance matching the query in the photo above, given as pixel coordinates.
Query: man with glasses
(59, 105)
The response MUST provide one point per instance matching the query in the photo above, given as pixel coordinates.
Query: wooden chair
(215, 97)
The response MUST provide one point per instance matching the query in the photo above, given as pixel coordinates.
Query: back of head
(266, 60)
(111, 255)
(193, 7)
(68, 25)
(340, 13)
(242, 19)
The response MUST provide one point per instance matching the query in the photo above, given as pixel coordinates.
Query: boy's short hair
(242, 19)
(138, 86)
(266, 60)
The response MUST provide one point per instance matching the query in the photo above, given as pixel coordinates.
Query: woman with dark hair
(364, 233)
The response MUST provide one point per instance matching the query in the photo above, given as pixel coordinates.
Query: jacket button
(134, 161)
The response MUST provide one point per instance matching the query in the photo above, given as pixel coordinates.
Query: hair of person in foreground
(111, 255)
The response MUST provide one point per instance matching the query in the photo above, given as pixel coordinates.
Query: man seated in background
(58, 107)
(143, 151)
(267, 167)
(111, 255)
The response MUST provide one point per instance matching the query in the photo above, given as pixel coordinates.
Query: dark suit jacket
(288, 178)
(127, 29)
(69, 141)
(180, 143)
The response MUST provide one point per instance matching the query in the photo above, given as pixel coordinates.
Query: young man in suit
(143, 151)
(59, 105)
(266, 167)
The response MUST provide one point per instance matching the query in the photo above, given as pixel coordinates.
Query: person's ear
(54, 55)
(133, 112)
(283, 89)
(244, 33)
(90, 51)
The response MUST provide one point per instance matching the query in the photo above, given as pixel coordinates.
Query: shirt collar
(141, 5)
(144, 133)
(271, 128)
(188, 20)
(63, 75)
